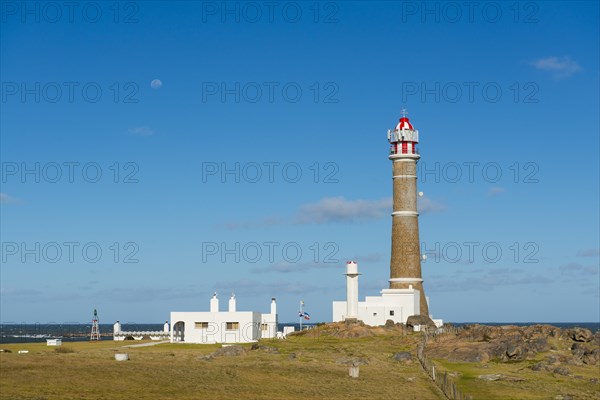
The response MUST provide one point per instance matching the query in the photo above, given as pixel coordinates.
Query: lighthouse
(405, 296)
(405, 263)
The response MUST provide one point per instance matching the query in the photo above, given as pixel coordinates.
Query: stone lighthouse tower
(405, 264)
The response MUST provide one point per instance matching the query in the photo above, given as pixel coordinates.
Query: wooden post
(354, 371)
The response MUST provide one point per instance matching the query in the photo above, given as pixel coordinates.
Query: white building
(394, 304)
(217, 326)
(119, 334)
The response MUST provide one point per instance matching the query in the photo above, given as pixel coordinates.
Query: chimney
(214, 304)
(232, 303)
(273, 306)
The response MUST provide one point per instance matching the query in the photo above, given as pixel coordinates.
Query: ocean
(75, 332)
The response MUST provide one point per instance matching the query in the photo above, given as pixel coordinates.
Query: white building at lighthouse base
(393, 304)
(216, 326)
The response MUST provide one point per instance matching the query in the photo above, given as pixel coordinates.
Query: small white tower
(232, 305)
(273, 306)
(116, 328)
(166, 327)
(214, 304)
(352, 290)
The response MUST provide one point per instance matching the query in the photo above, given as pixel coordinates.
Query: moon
(156, 84)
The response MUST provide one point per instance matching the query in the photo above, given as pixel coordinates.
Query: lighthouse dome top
(404, 124)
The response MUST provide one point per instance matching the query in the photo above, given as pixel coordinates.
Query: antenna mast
(95, 335)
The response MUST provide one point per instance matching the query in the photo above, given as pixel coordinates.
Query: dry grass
(581, 383)
(177, 371)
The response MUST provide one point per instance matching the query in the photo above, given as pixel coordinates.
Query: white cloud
(487, 281)
(575, 269)
(339, 209)
(254, 288)
(496, 190)
(141, 131)
(560, 67)
(426, 205)
(595, 252)
(335, 210)
(6, 199)
(286, 267)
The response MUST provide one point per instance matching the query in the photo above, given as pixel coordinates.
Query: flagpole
(301, 313)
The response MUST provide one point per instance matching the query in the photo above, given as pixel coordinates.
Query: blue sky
(257, 160)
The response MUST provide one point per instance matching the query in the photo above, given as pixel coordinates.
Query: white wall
(248, 329)
(375, 310)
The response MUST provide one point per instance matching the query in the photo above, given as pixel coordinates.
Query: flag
(304, 314)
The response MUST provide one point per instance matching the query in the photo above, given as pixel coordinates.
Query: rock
(499, 377)
(389, 324)
(538, 345)
(207, 357)
(5, 351)
(353, 322)
(538, 366)
(564, 397)
(490, 377)
(561, 371)
(580, 335)
(468, 354)
(591, 357)
(553, 359)
(514, 351)
(265, 349)
(422, 320)
(229, 351)
(402, 356)
(292, 356)
(582, 353)
(352, 361)
(411, 379)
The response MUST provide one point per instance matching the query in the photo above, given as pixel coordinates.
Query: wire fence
(442, 379)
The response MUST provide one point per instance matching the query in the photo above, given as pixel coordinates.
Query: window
(232, 326)
(391, 312)
(374, 314)
(264, 327)
(200, 325)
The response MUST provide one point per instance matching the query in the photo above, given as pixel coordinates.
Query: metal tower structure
(95, 334)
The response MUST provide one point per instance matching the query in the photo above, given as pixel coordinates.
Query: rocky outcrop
(482, 343)
(265, 349)
(586, 354)
(229, 351)
(579, 334)
(422, 320)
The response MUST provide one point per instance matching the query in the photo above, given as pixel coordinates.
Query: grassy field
(304, 367)
(520, 382)
(88, 371)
